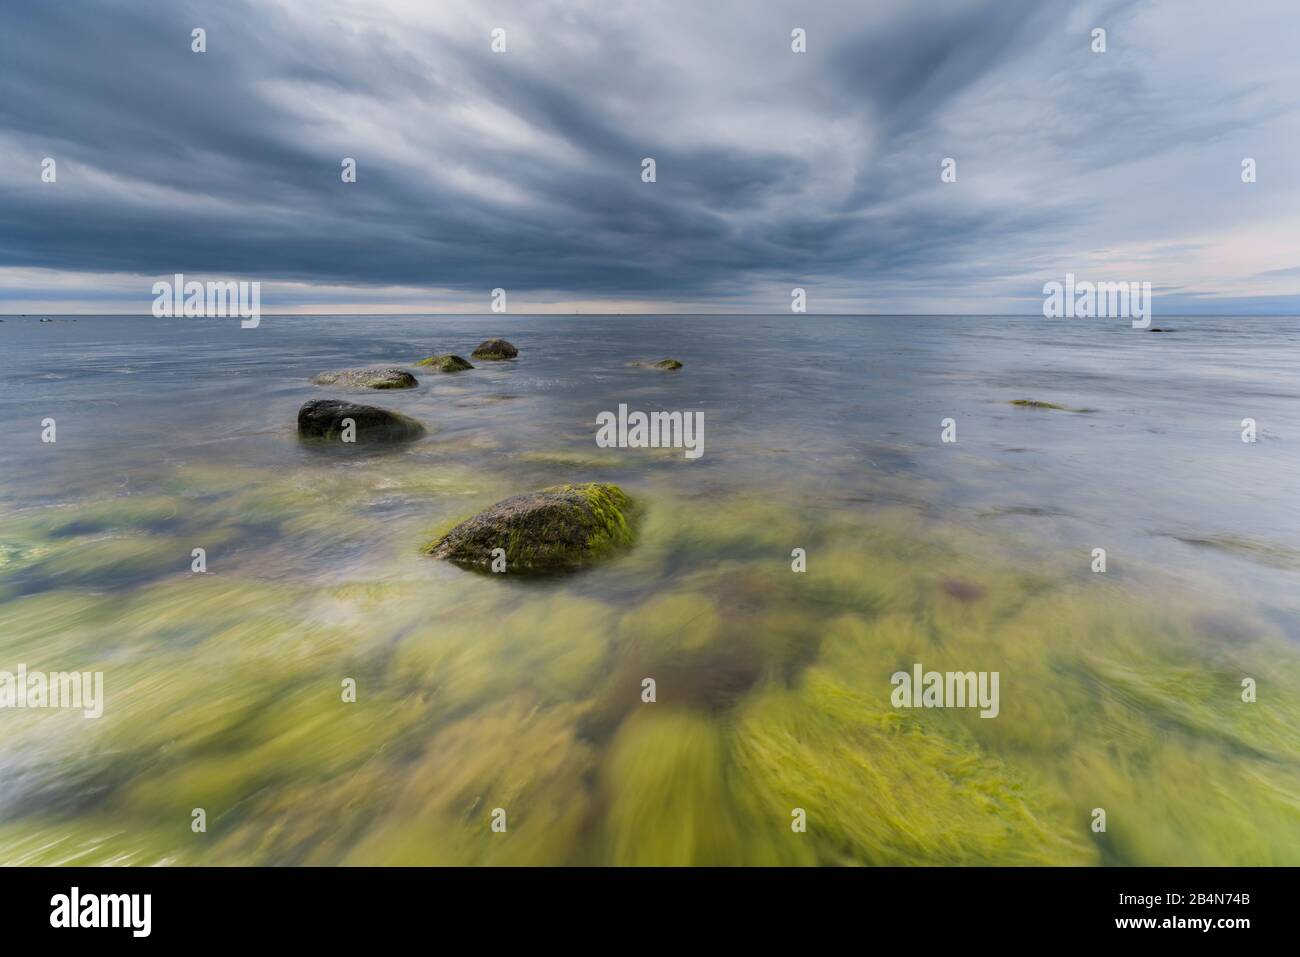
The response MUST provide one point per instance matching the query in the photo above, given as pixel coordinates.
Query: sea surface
(483, 698)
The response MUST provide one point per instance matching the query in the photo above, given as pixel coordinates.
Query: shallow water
(1119, 691)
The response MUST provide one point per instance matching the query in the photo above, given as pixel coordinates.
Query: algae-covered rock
(557, 529)
(375, 377)
(668, 365)
(324, 419)
(494, 349)
(445, 363)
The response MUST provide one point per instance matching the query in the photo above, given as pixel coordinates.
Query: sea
(1106, 517)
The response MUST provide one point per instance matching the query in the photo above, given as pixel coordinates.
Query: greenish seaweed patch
(223, 689)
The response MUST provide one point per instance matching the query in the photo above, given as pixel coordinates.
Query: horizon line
(844, 315)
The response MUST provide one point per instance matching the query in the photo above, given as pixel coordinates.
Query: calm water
(1119, 690)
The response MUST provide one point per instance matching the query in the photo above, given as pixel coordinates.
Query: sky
(774, 169)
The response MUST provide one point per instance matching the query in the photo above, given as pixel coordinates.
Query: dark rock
(494, 349)
(322, 419)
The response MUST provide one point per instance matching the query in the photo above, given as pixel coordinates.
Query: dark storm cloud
(523, 169)
(118, 90)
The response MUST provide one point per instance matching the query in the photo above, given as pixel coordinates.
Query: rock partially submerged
(373, 377)
(445, 363)
(1038, 404)
(668, 365)
(558, 529)
(324, 420)
(494, 349)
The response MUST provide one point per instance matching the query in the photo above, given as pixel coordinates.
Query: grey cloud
(246, 140)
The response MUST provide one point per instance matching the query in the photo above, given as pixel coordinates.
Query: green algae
(880, 787)
(773, 693)
(514, 756)
(671, 801)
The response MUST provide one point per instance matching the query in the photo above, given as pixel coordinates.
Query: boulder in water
(494, 349)
(332, 420)
(374, 377)
(445, 363)
(557, 529)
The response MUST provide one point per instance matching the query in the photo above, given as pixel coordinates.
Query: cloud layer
(775, 169)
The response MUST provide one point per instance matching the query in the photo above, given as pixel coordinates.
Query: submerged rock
(963, 591)
(445, 363)
(1036, 404)
(666, 364)
(494, 349)
(323, 419)
(374, 377)
(557, 529)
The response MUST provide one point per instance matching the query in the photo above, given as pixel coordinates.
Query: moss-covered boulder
(327, 420)
(445, 363)
(375, 377)
(494, 349)
(669, 365)
(558, 529)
